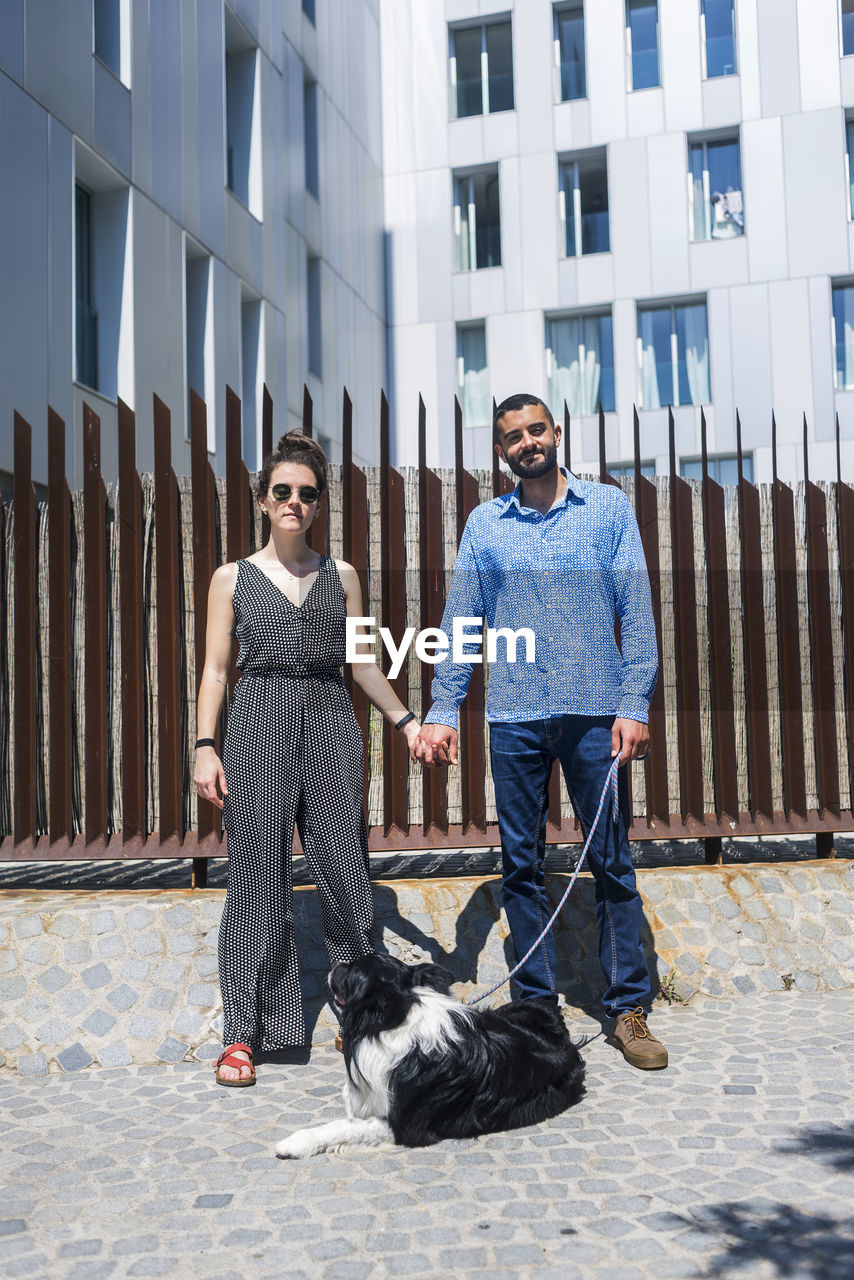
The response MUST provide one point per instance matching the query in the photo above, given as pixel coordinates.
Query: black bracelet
(410, 715)
(204, 742)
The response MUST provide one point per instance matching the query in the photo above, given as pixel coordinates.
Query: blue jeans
(522, 756)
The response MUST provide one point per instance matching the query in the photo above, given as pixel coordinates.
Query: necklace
(275, 563)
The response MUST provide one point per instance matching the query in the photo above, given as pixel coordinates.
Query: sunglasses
(306, 493)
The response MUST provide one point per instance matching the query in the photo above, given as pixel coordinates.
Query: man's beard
(536, 466)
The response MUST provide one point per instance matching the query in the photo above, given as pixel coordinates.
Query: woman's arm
(367, 675)
(209, 776)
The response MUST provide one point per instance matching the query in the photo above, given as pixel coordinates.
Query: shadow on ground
(579, 974)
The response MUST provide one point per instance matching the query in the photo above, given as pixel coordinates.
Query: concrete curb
(131, 976)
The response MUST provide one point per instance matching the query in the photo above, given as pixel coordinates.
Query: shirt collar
(561, 502)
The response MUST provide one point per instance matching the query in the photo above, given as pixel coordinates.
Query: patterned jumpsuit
(292, 755)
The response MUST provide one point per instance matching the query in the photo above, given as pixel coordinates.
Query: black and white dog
(422, 1067)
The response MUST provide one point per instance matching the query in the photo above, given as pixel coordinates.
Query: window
(315, 334)
(580, 363)
(723, 468)
(843, 335)
(482, 68)
(584, 204)
(473, 376)
(847, 27)
(476, 220)
(86, 318)
(569, 50)
(312, 175)
(717, 19)
(102, 312)
(673, 355)
(626, 470)
(642, 40)
(242, 123)
(308, 10)
(716, 204)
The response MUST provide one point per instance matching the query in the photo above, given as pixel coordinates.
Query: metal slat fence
(102, 629)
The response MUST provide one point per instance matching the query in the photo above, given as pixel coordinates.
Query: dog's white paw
(299, 1145)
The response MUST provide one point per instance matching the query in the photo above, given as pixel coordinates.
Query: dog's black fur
(422, 1067)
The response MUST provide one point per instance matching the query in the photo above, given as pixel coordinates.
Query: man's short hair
(512, 404)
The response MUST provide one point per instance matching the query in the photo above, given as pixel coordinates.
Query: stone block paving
(736, 1161)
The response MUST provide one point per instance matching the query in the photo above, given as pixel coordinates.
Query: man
(556, 556)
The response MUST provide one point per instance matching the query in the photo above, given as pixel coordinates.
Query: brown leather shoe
(639, 1046)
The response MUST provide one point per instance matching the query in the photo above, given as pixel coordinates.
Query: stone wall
(127, 976)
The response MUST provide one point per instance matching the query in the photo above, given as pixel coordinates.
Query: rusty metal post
(25, 637)
(236, 498)
(131, 613)
(720, 646)
(685, 626)
(845, 528)
(204, 564)
(95, 628)
(646, 512)
(753, 629)
(59, 635)
(472, 736)
(788, 643)
(354, 494)
(432, 597)
(266, 450)
(169, 630)
(821, 655)
(393, 587)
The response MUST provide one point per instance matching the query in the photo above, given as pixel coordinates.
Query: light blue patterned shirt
(561, 575)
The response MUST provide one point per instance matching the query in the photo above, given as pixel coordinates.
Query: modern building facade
(632, 202)
(627, 201)
(190, 196)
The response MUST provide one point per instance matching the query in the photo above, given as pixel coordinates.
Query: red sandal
(227, 1059)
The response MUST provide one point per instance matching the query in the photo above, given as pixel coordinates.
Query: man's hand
(631, 739)
(435, 744)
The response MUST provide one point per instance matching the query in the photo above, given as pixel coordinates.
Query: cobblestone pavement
(736, 1161)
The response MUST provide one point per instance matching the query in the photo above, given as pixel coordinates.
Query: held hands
(631, 739)
(209, 777)
(435, 744)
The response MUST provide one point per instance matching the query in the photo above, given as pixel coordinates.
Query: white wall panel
(679, 29)
(814, 145)
(605, 32)
(164, 67)
(764, 199)
(747, 42)
(434, 259)
(752, 381)
(24, 270)
(818, 45)
(720, 367)
(668, 213)
(822, 428)
(791, 357)
(12, 42)
(59, 61)
(158, 310)
(516, 354)
(540, 237)
(778, 56)
(532, 45)
(629, 200)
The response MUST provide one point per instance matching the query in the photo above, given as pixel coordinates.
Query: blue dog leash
(610, 785)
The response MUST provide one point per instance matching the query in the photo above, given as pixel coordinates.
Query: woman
(292, 755)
